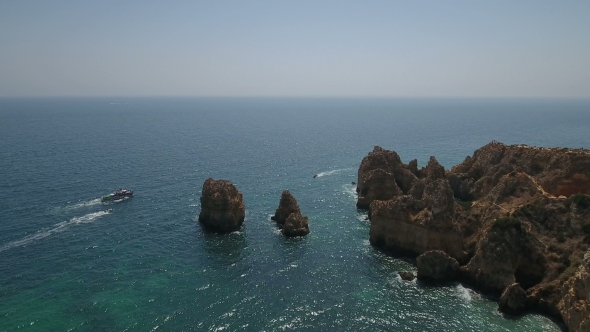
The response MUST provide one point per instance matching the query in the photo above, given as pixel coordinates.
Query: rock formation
(295, 225)
(436, 265)
(288, 216)
(382, 176)
(418, 221)
(575, 302)
(513, 300)
(287, 205)
(514, 218)
(222, 207)
(406, 275)
(505, 252)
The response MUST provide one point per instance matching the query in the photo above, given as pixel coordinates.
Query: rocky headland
(222, 206)
(510, 220)
(288, 216)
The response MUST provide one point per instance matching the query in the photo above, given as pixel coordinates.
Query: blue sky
(295, 48)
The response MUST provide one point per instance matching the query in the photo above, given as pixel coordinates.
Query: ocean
(69, 262)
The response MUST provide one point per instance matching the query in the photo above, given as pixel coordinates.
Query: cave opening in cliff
(528, 276)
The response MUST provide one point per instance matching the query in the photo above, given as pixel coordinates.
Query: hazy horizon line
(287, 97)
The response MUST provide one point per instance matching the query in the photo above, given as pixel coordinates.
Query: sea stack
(287, 205)
(222, 207)
(288, 216)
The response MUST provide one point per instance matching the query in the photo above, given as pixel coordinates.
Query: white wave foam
(59, 227)
(463, 293)
(350, 190)
(332, 172)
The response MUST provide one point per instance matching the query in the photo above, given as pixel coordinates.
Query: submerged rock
(407, 275)
(222, 207)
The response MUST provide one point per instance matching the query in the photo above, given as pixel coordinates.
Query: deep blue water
(67, 263)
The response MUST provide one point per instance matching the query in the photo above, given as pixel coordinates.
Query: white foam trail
(335, 171)
(59, 227)
(95, 201)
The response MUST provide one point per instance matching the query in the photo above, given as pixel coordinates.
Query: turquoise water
(68, 263)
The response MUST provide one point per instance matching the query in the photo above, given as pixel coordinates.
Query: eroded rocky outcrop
(574, 305)
(513, 300)
(295, 225)
(382, 176)
(436, 265)
(288, 216)
(559, 171)
(515, 218)
(287, 205)
(407, 275)
(507, 251)
(419, 221)
(222, 206)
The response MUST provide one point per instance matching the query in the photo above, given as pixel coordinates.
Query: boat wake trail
(57, 228)
(93, 202)
(332, 172)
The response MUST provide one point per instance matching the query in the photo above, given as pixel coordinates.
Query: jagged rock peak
(413, 166)
(377, 184)
(222, 206)
(434, 170)
(380, 158)
(287, 205)
(383, 176)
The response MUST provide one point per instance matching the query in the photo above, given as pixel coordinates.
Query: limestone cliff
(436, 265)
(417, 222)
(222, 207)
(516, 218)
(507, 253)
(575, 302)
(513, 300)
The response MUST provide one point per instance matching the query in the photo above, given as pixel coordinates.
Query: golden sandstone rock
(222, 206)
(509, 215)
